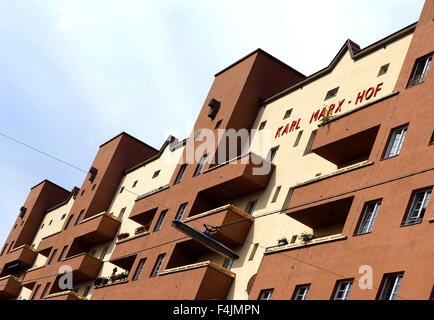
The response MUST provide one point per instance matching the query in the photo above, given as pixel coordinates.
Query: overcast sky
(73, 74)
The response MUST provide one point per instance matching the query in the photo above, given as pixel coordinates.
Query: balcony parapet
(10, 287)
(316, 241)
(133, 237)
(199, 265)
(65, 295)
(219, 209)
(149, 193)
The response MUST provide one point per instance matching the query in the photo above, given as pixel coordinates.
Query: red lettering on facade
(278, 132)
(339, 109)
(298, 124)
(314, 116)
(360, 97)
(293, 124)
(378, 89)
(323, 113)
(369, 93)
(286, 129)
(331, 108)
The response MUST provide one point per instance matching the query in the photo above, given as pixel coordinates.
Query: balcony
(206, 280)
(18, 259)
(97, 229)
(236, 178)
(65, 295)
(231, 235)
(10, 287)
(84, 266)
(122, 256)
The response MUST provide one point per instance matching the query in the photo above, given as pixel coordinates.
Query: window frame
(200, 165)
(158, 264)
(390, 142)
(264, 292)
(160, 220)
(297, 294)
(181, 211)
(416, 80)
(139, 269)
(181, 173)
(348, 284)
(408, 219)
(396, 285)
(374, 214)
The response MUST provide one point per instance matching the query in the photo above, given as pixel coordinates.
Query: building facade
(288, 187)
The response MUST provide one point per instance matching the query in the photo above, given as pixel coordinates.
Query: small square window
(156, 173)
(63, 217)
(262, 125)
(135, 183)
(82, 193)
(287, 114)
(93, 187)
(122, 189)
(266, 294)
(332, 93)
(218, 124)
(300, 292)
(383, 69)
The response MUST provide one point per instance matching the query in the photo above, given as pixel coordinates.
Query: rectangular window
(251, 206)
(276, 194)
(103, 253)
(180, 173)
(254, 249)
(139, 269)
(160, 220)
(122, 212)
(343, 289)
(418, 207)
(218, 124)
(266, 294)
(200, 166)
(4, 248)
(262, 125)
(63, 253)
(431, 141)
(86, 291)
(181, 211)
(272, 154)
(80, 216)
(36, 292)
(390, 287)
(10, 247)
(44, 293)
(369, 217)
(69, 221)
(135, 184)
(395, 142)
(310, 143)
(158, 265)
(297, 141)
(227, 264)
(301, 291)
(420, 71)
(52, 256)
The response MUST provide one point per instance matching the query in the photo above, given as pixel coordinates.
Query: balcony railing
(20, 258)
(316, 241)
(199, 265)
(65, 295)
(98, 228)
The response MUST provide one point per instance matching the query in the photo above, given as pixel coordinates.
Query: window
(369, 217)
(69, 221)
(297, 141)
(160, 220)
(86, 291)
(287, 114)
(122, 212)
(44, 293)
(80, 216)
(251, 206)
(92, 252)
(63, 217)
(4, 248)
(93, 187)
(227, 264)
(63, 253)
(276, 194)
(197, 135)
(200, 165)
(431, 141)
(332, 93)
(103, 253)
(10, 247)
(383, 69)
(418, 207)
(293, 239)
(156, 173)
(139, 269)
(390, 287)
(36, 291)
(122, 189)
(420, 71)
(42, 226)
(52, 257)
(158, 264)
(272, 154)
(343, 289)
(181, 211)
(180, 173)
(265, 294)
(262, 125)
(310, 143)
(395, 143)
(51, 221)
(134, 183)
(254, 249)
(217, 125)
(301, 291)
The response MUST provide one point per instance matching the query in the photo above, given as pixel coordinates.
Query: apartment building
(333, 179)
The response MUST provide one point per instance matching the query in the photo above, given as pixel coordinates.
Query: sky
(73, 74)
